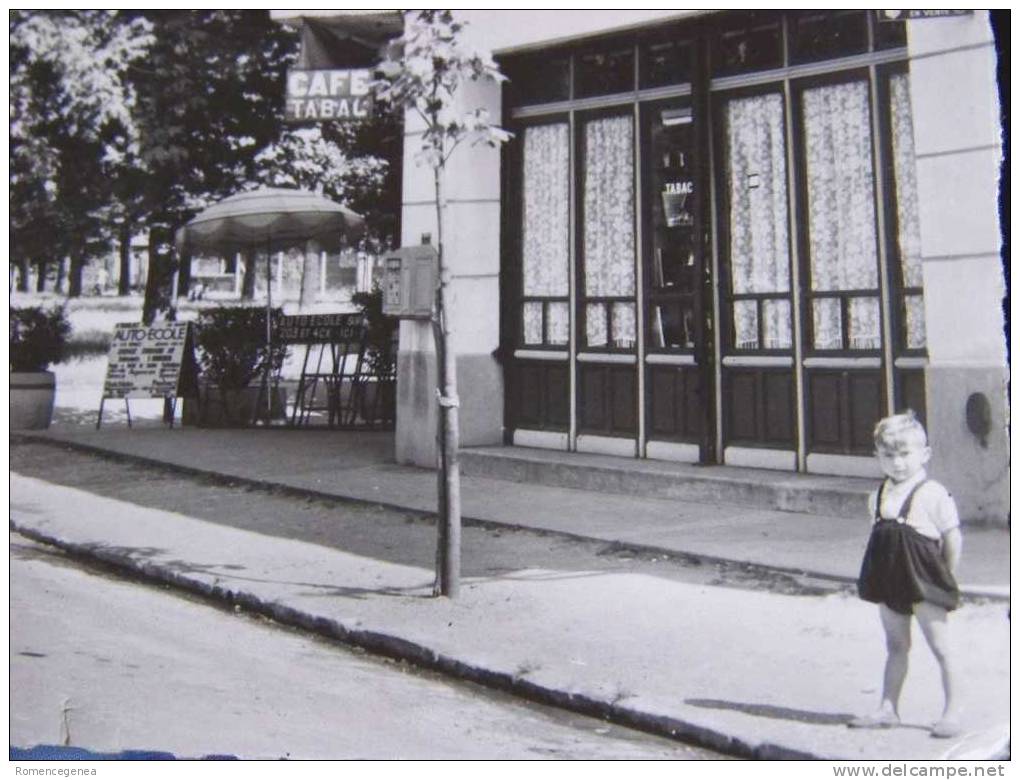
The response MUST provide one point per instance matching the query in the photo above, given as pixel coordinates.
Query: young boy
(910, 565)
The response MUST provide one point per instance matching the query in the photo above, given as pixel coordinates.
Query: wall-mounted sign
(676, 200)
(329, 95)
(900, 16)
(150, 361)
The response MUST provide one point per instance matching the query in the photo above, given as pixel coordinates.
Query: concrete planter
(32, 394)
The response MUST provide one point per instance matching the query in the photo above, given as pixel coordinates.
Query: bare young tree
(422, 72)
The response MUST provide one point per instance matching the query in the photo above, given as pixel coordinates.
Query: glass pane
(778, 324)
(539, 79)
(546, 210)
(595, 325)
(752, 43)
(672, 325)
(819, 35)
(759, 238)
(558, 323)
(624, 330)
(907, 213)
(609, 207)
(533, 322)
(673, 199)
(605, 73)
(665, 63)
(915, 335)
(865, 324)
(827, 323)
(745, 324)
(840, 184)
(890, 30)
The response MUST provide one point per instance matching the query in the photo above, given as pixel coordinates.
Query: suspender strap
(905, 509)
(907, 503)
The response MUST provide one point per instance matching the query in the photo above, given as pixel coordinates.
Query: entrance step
(758, 488)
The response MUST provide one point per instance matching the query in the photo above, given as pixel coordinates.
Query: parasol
(264, 217)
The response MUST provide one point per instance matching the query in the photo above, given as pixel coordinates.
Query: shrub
(232, 345)
(38, 337)
(382, 349)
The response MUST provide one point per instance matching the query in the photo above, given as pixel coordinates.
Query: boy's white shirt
(933, 512)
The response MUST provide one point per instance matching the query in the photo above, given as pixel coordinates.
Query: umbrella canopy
(269, 215)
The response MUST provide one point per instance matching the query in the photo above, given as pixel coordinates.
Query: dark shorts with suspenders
(903, 566)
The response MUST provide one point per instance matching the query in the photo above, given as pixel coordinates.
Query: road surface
(111, 665)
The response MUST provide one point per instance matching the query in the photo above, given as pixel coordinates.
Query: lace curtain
(841, 213)
(759, 224)
(907, 213)
(609, 227)
(546, 230)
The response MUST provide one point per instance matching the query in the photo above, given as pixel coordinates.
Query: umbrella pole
(269, 329)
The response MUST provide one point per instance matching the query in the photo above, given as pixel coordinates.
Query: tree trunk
(159, 280)
(124, 280)
(184, 275)
(248, 281)
(58, 284)
(41, 266)
(23, 266)
(448, 546)
(75, 271)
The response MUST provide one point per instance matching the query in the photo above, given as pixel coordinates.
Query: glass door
(758, 383)
(676, 411)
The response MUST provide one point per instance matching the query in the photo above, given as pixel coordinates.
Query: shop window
(908, 234)
(673, 279)
(842, 240)
(753, 41)
(546, 226)
(535, 80)
(605, 72)
(665, 63)
(820, 35)
(608, 233)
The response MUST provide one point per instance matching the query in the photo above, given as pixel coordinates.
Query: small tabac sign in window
(329, 95)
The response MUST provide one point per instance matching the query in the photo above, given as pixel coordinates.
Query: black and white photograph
(504, 385)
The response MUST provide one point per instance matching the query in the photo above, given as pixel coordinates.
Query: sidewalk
(360, 465)
(759, 674)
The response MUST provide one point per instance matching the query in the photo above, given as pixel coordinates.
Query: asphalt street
(112, 665)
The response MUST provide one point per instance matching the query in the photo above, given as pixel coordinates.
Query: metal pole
(269, 327)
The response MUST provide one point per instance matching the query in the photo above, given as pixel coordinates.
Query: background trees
(132, 121)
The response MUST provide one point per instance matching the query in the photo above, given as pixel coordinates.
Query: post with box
(409, 282)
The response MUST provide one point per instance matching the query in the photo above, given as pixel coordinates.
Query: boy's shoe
(947, 728)
(877, 720)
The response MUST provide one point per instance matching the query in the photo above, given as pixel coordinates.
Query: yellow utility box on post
(409, 282)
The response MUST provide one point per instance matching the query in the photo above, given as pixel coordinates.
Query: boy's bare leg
(897, 645)
(935, 626)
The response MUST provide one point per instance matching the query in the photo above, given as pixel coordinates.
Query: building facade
(729, 238)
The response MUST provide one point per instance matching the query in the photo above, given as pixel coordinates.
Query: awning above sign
(316, 95)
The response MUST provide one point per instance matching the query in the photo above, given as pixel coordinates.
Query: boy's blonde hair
(900, 427)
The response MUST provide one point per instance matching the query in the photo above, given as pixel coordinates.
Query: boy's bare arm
(952, 544)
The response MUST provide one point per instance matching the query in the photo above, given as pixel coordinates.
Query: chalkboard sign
(150, 361)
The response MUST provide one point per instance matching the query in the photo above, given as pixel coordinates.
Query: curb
(397, 648)
(966, 593)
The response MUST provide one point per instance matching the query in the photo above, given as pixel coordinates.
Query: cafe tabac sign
(329, 95)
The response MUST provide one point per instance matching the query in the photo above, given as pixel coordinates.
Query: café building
(732, 238)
